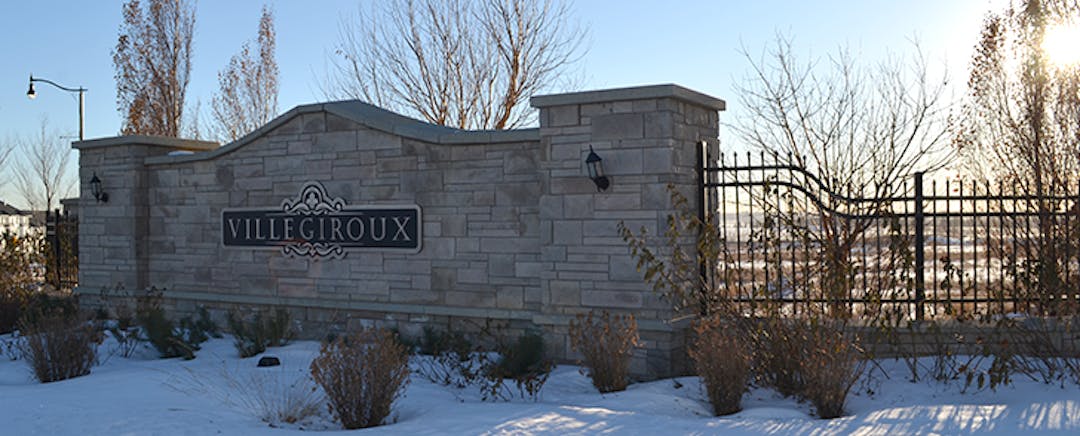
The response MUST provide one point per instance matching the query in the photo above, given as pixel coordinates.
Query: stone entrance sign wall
(508, 225)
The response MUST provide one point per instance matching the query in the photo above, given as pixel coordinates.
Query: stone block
(552, 253)
(299, 148)
(296, 288)
(407, 163)
(613, 201)
(313, 123)
(578, 206)
(470, 299)
(566, 232)
(624, 268)
(527, 194)
(510, 297)
(657, 160)
(335, 123)
(520, 162)
(501, 245)
(400, 266)
(659, 125)
(482, 198)
(422, 181)
(414, 296)
(565, 293)
(443, 278)
(611, 299)
(527, 269)
(467, 245)
(551, 206)
(577, 182)
(559, 116)
(569, 152)
(600, 228)
(502, 266)
(618, 126)
(432, 229)
(292, 126)
(622, 162)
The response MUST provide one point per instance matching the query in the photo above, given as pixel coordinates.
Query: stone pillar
(647, 137)
(113, 234)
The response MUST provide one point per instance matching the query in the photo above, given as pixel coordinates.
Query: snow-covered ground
(219, 393)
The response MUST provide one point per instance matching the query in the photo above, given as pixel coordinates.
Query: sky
(696, 44)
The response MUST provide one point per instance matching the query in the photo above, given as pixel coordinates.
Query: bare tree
(43, 175)
(247, 98)
(861, 132)
(5, 152)
(855, 128)
(465, 64)
(153, 61)
(1021, 128)
(1021, 122)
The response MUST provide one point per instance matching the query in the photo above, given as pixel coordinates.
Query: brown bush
(779, 346)
(831, 365)
(362, 374)
(607, 343)
(722, 359)
(59, 347)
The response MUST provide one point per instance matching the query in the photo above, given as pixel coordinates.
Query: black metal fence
(61, 249)
(929, 248)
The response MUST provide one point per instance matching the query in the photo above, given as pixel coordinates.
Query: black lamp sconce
(596, 170)
(95, 187)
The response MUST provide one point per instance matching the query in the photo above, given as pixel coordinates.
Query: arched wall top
(356, 111)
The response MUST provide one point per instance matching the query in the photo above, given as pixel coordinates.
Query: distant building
(15, 221)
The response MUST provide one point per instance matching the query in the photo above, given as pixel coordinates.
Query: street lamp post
(82, 107)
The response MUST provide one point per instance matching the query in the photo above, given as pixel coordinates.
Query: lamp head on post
(595, 166)
(31, 94)
(95, 188)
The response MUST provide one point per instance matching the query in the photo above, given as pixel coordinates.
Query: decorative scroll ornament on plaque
(318, 225)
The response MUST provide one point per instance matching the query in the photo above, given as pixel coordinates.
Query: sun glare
(1062, 44)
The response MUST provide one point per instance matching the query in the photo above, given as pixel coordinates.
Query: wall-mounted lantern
(95, 188)
(596, 170)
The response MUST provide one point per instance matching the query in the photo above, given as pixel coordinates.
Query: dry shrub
(161, 332)
(607, 343)
(461, 361)
(254, 333)
(830, 367)
(779, 347)
(523, 361)
(722, 359)
(362, 373)
(59, 347)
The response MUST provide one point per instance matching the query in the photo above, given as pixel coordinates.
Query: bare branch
(466, 64)
(42, 175)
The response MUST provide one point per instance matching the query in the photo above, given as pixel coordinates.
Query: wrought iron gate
(61, 249)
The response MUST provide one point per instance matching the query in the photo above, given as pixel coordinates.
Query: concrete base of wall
(662, 355)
